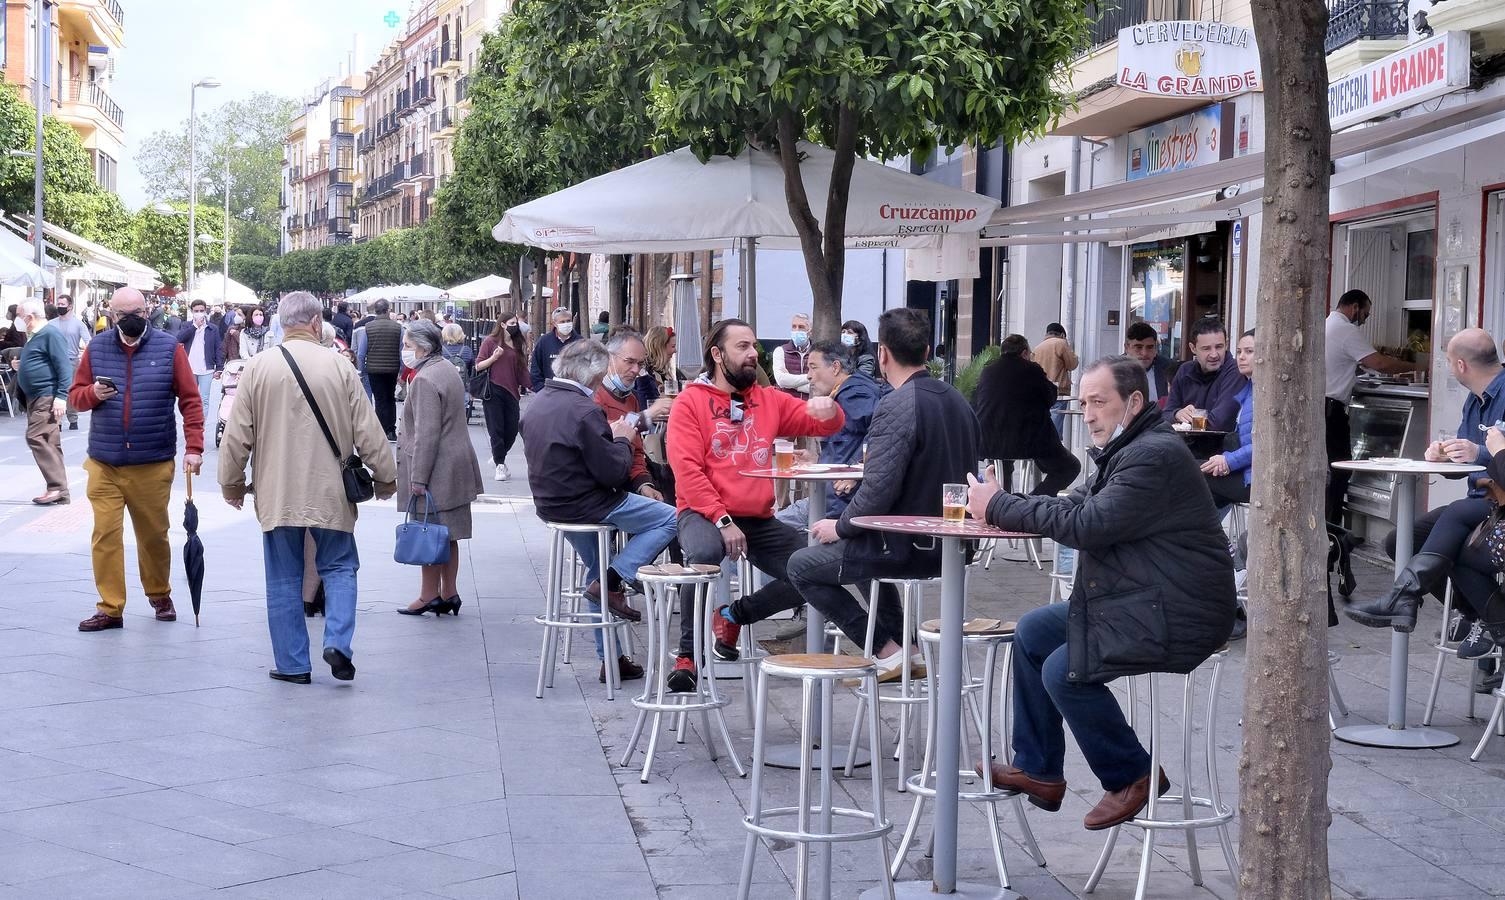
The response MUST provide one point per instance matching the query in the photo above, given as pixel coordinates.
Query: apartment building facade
(319, 161)
(82, 40)
(394, 156)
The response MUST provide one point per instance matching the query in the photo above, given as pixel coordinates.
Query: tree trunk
(616, 291)
(660, 297)
(1285, 762)
(825, 254)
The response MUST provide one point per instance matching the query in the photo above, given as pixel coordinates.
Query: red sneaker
(726, 633)
(682, 679)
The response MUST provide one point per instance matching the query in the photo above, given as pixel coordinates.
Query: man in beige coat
(297, 482)
(1055, 356)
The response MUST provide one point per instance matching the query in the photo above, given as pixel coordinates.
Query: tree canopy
(161, 240)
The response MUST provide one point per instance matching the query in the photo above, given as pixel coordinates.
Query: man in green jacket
(43, 379)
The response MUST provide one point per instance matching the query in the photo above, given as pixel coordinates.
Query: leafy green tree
(261, 121)
(250, 270)
(161, 240)
(879, 78)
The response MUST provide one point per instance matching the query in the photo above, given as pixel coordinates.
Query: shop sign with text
(1180, 143)
(1422, 71)
(1188, 59)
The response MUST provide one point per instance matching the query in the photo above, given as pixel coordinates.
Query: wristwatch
(724, 522)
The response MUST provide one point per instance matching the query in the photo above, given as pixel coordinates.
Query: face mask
(514, 331)
(799, 338)
(849, 340)
(200, 317)
(410, 358)
(132, 325)
(565, 328)
(617, 386)
(257, 320)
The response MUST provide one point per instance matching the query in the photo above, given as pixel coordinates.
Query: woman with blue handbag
(437, 474)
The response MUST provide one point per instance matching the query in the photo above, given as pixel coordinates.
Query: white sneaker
(891, 668)
(501, 472)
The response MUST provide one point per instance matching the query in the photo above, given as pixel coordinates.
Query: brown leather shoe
(99, 622)
(51, 498)
(1045, 794)
(617, 601)
(163, 606)
(1118, 807)
(627, 670)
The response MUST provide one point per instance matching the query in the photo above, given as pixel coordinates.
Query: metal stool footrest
(918, 785)
(880, 829)
(560, 623)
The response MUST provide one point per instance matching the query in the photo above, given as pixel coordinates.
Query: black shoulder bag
(359, 486)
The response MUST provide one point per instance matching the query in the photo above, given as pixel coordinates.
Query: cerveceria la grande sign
(1188, 59)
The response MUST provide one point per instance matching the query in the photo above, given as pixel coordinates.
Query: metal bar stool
(745, 666)
(908, 698)
(1495, 725)
(573, 592)
(663, 584)
(1152, 817)
(558, 621)
(816, 672)
(991, 635)
(1445, 649)
(1025, 479)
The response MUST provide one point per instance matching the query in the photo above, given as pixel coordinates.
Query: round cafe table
(1395, 734)
(948, 711)
(787, 756)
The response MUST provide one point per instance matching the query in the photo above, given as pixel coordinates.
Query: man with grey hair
(286, 400)
(580, 469)
(130, 377)
(43, 380)
(548, 348)
(791, 362)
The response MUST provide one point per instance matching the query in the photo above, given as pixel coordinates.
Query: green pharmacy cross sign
(391, 18)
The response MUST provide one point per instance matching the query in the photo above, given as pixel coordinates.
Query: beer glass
(954, 503)
(783, 455)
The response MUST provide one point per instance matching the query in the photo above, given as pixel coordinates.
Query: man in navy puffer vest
(132, 444)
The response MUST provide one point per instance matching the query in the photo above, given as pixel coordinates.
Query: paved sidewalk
(160, 761)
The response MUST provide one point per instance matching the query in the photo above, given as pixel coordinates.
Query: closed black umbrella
(193, 552)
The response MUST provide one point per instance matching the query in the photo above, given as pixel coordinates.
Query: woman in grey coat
(434, 458)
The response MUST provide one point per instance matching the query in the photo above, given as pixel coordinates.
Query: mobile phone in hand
(107, 381)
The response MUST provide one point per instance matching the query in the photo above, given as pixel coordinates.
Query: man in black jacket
(1210, 381)
(1153, 593)
(579, 469)
(548, 348)
(923, 435)
(1014, 399)
(344, 326)
(383, 365)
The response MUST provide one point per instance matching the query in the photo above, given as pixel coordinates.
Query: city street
(160, 761)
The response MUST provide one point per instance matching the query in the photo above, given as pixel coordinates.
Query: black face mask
(514, 331)
(132, 325)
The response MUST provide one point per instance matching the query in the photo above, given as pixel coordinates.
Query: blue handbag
(422, 543)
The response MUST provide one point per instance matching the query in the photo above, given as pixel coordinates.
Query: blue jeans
(204, 381)
(650, 526)
(337, 562)
(1058, 416)
(1043, 696)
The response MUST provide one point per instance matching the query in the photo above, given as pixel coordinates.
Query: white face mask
(410, 358)
(200, 317)
(565, 328)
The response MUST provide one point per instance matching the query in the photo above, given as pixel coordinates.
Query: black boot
(1425, 573)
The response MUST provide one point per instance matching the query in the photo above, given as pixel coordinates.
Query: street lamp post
(225, 271)
(193, 185)
(39, 100)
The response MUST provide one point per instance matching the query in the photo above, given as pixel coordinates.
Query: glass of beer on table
(954, 503)
(783, 455)
(1199, 419)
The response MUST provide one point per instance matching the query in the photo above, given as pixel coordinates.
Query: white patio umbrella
(483, 288)
(675, 202)
(16, 267)
(213, 287)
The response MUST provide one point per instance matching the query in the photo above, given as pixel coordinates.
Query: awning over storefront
(1120, 212)
(97, 262)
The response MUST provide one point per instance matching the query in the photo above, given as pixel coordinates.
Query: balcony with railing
(423, 91)
(339, 228)
(1350, 21)
(86, 102)
(449, 54)
(419, 166)
(446, 120)
(462, 89)
(295, 173)
(294, 222)
(405, 102)
(340, 126)
(100, 21)
(341, 175)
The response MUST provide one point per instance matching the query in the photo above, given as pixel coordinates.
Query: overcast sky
(283, 46)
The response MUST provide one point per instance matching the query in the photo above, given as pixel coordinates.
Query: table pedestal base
(965, 890)
(787, 756)
(1396, 738)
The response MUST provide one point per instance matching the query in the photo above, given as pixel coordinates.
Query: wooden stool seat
(973, 627)
(818, 661)
(674, 570)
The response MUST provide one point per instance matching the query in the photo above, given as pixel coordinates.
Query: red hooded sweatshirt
(711, 441)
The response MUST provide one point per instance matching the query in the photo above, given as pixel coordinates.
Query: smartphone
(107, 381)
(633, 419)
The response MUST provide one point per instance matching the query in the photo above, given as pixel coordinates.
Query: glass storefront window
(1156, 291)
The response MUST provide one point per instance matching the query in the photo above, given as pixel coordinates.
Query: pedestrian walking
(43, 381)
(130, 378)
(548, 347)
(202, 341)
(256, 336)
(502, 359)
(76, 336)
(383, 360)
(437, 473)
(275, 426)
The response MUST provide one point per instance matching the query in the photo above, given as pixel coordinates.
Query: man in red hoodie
(723, 424)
